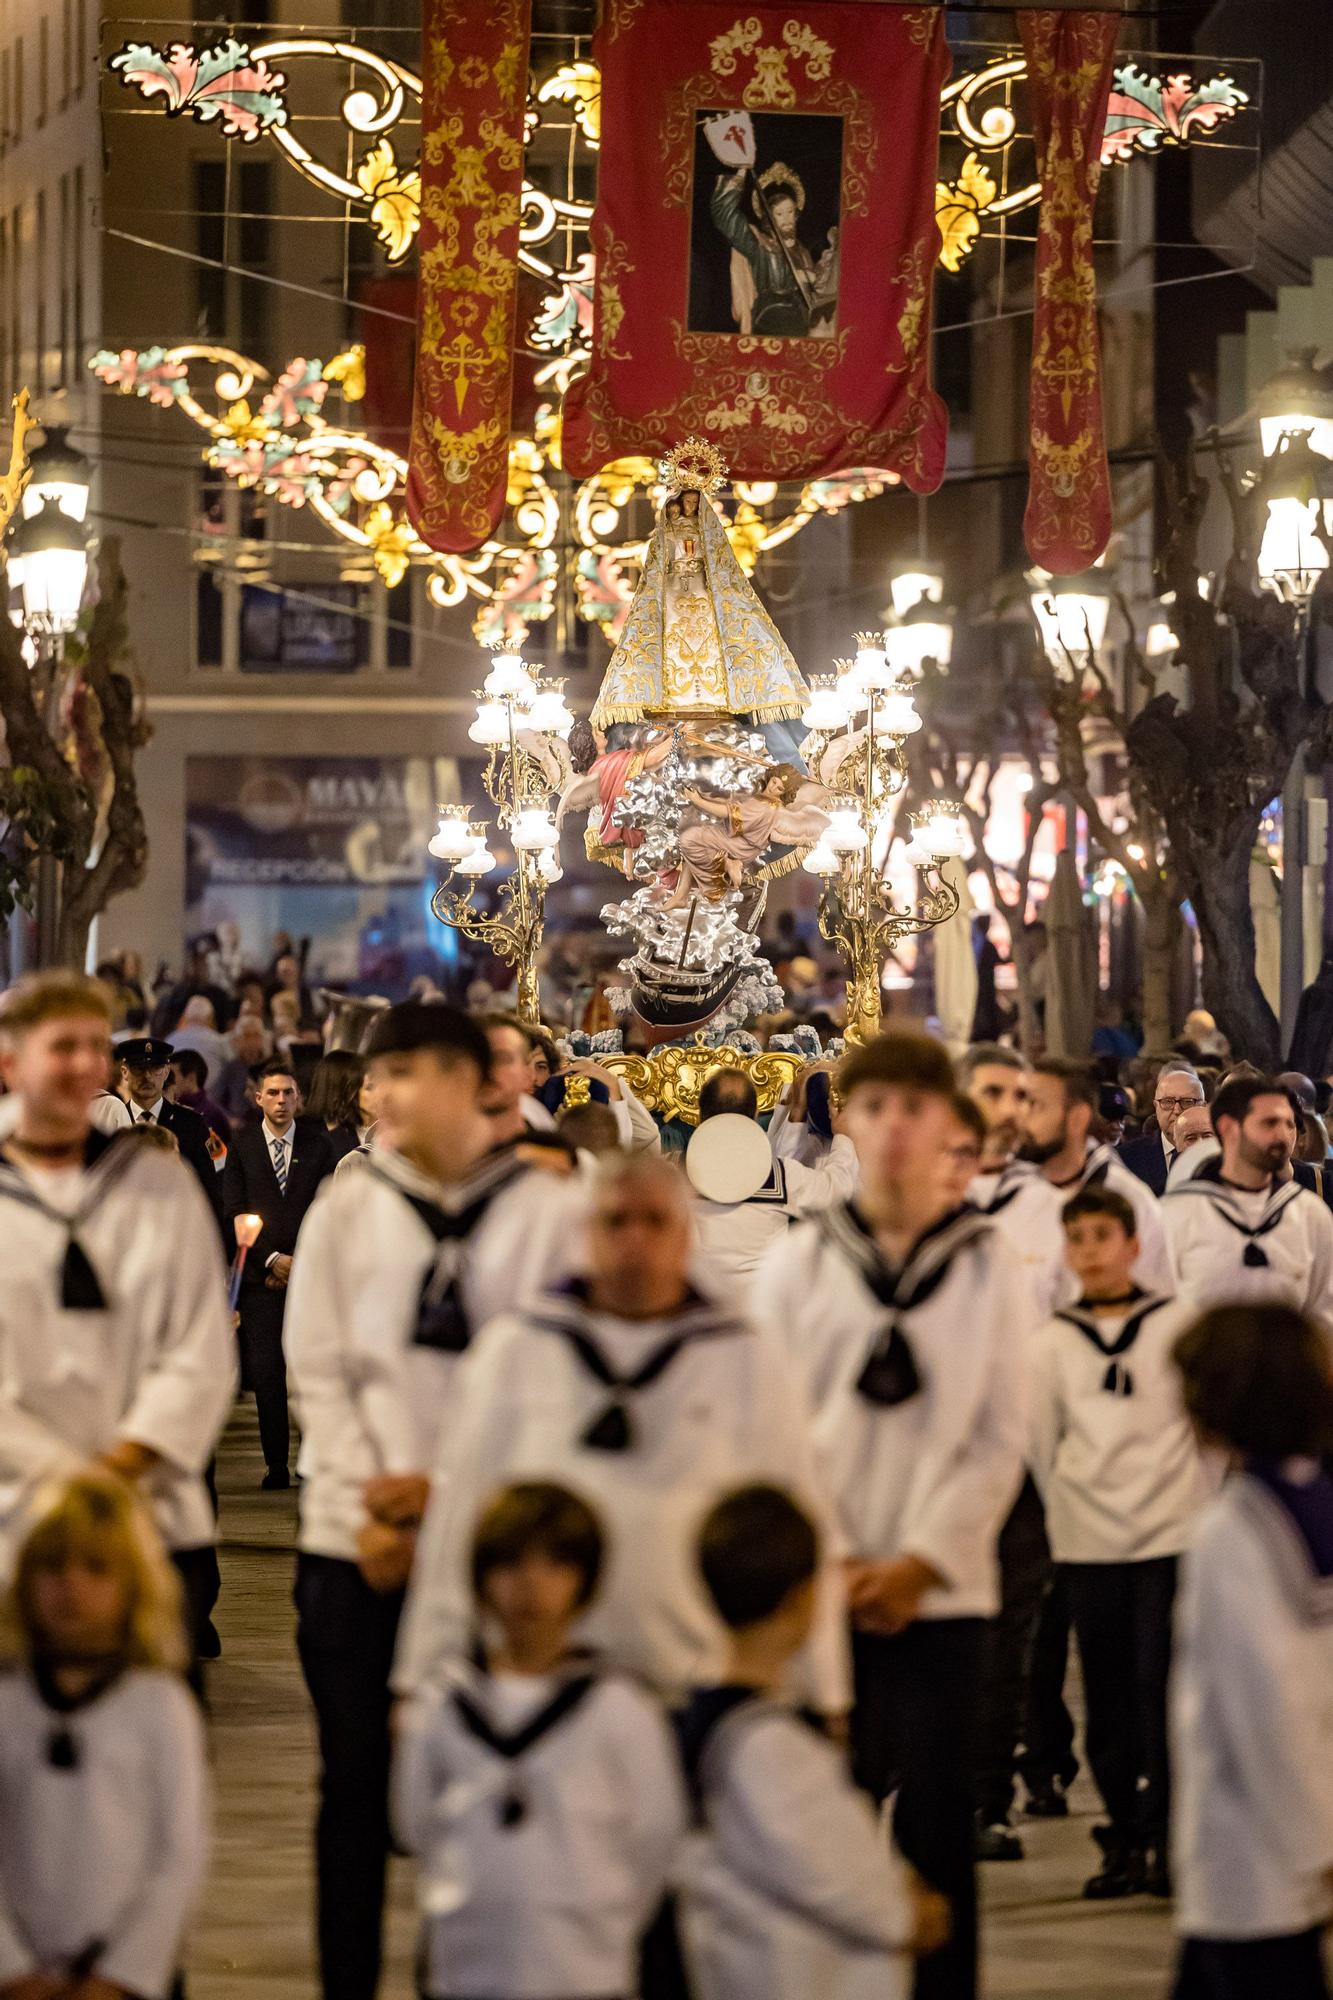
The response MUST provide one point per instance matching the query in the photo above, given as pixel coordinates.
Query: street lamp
(60, 474)
(1071, 614)
(1296, 486)
(923, 632)
(518, 717)
(1298, 398)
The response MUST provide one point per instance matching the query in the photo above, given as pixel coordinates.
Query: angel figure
(714, 857)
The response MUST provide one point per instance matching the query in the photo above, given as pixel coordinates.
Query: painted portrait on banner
(764, 224)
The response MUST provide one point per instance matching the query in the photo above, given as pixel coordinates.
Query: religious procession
(682, 1348)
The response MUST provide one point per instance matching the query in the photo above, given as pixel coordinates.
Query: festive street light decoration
(1297, 488)
(523, 723)
(864, 766)
(1072, 613)
(48, 563)
(60, 474)
(1299, 397)
(923, 632)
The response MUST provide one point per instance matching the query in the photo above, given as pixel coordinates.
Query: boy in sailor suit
(1252, 1687)
(1241, 1230)
(648, 1400)
(1011, 1190)
(538, 1787)
(114, 1343)
(906, 1321)
(788, 1888)
(1123, 1480)
(400, 1264)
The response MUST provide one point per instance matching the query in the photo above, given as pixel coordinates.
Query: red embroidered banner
(475, 82)
(1068, 519)
(765, 238)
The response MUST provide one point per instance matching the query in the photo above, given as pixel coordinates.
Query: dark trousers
(1048, 1730)
(1122, 1621)
(345, 1635)
(914, 1727)
(264, 1369)
(1025, 1572)
(1270, 1968)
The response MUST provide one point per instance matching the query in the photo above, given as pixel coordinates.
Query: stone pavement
(253, 1940)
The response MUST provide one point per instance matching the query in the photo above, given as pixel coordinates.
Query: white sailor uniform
(650, 1421)
(1026, 1210)
(103, 1827)
(1231, 1246)
(113, 1327)
(545, 1813)
(788, 1888)
(734, 1235)
(1152, 1268)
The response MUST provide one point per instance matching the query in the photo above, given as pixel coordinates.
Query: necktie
(280, 1164)
(145, 1117)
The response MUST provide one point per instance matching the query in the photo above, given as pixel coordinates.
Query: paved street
(253, 1942)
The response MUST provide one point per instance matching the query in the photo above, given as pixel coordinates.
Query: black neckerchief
(890, 1375)
(62, 1749)
(442, 1320)
(698, 1723)
(1092, 1173)
(567, 1313)
(1209, 1183)
(1117, 1380)
(105, 1159)
(579, 1679)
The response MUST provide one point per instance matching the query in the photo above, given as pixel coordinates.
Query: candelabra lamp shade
(534, 829)
(509, 679)
(821, 859)
(454, 837)
(490, 726)
(827, 709)
(844, 833)
(549, 712)
(59, 474)
(896, 711)
(941, 830)
(478, 861)
(870, 672)
(48, 562)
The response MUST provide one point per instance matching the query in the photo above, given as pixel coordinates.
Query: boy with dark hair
(400, 1264)
(1252, 1693)
(788, 1889)
(531, 1765)
(902, 1320)
(1058, 1140)
(1120, 1472)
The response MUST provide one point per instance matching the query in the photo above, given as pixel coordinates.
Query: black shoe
(210, 1642)
(997, 1842)
(1157, 1874)
(1046, 1800)
(276, 1480)
(1121, 1874)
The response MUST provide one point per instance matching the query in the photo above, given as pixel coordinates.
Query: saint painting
(764, 242)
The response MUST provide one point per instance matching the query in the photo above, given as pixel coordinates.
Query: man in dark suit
(273, 1170)
(146, 1065)
(1150, 1157)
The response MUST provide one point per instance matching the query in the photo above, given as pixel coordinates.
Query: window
(254, 241)
(39, 293)
(43, 69)
(210, 284)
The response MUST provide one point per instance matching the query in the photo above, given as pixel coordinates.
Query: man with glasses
(1152, 1156)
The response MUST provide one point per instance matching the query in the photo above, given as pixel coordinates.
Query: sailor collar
(106, 1158)
(927, 1263)
(575, 1678)
(1208, 1185)
(1095, 1167)
(451, 1214)
(1014, 1176)
(1117, 1381)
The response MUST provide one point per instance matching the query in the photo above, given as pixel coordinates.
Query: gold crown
(875, 640)
(841, 667)
(697, 463)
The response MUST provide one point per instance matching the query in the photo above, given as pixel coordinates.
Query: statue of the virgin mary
(697, 641)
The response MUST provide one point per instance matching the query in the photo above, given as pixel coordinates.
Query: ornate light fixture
(1297, 488)
(1299, 397)
(523, 722)
(1071, 614)
(864, 765)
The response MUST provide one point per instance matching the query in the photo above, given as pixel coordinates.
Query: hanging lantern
(1297, 486)
(912, 581)
(1298, 398)
(1071, 612)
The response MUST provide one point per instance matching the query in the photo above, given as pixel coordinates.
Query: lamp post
(1071, 614)
(518, 719)
(857, 911)
(48, 565)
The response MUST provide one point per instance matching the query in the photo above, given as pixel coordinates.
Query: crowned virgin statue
(697, 641)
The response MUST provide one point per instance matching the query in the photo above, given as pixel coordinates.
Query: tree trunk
(1161, 929)
(72, 937)
(1231, 990)
(1020, 952)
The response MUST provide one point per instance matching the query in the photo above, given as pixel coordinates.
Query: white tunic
(1211, 1228)
(789, 1890)
(733, 1235)
(112, 1852)
(556, 1903)
(157, 1366)
(369, 1399)
(725, 1412)
(934, 1476)
(1252, 1726)
(1026, 1209)
(1118, 1466)
(1152, 1271)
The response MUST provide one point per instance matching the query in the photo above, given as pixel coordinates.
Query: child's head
(537, 1554)
(1101, 1241)
(964, 1143)
(1257, 1381)
(759, 1555)
(92, 1583)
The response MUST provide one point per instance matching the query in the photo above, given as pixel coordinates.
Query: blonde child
(103, 1785)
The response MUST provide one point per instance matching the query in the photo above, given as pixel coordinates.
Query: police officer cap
(145, 1052)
